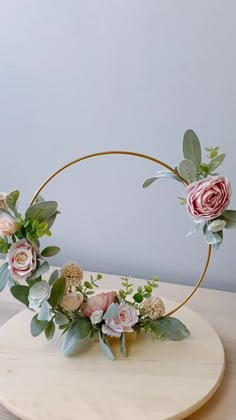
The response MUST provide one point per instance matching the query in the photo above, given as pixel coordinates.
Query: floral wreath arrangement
(68, 300)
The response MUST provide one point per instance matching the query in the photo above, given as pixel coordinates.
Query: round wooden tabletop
(159, 379)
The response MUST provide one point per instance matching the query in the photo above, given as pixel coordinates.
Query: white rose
(96, 316)
(38, 293)
(217, 225)
(72, 301)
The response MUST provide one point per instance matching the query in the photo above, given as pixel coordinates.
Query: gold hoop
(140, 155)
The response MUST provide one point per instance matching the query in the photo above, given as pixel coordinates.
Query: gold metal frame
(139, 155)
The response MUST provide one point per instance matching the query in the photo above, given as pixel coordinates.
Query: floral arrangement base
(160, 379)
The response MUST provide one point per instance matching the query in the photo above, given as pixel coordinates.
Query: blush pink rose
(98, 302)
(7, 226)
(207, 199)
(22, 260)
(126, 318)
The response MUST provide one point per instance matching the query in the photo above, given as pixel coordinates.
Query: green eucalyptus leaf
(41, 211)
(123, 348)
(61, 319)
(111, 312)
(21, 293)
(11, 200)
(42, 267)
(50, 220)
(77, 337)
(192, 148)
(50, 251)
(105, 346)
(50, 330)
(138, 297)
(170, 328)
(37, 327)
(4, 275)
(5, 211)
(33, 282)
(187, 170)
(33, 240)
(57, 292)
(216, 162)
(230, 224)
(53, 277)
(230, 215)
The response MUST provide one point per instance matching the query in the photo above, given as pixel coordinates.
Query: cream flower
(72, 301)
(7, 226)
(72, 274)
(153, 308)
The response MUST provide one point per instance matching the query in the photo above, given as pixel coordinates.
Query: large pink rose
(126, 318)
(98, 302)
(207, 199)
(22, 260)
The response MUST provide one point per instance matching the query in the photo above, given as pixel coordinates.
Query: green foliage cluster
(193, 169)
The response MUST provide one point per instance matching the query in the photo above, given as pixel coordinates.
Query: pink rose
(22, 260)
(98, 302)
(7, 226)
(72, 301)
(207, 199)
(126, 318)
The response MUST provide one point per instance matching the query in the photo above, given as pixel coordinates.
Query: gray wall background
(78, 77)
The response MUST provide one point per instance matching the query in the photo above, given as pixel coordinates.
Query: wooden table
(218, 308)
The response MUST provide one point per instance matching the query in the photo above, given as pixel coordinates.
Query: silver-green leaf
(4, 275)
(187, 170)
(212, 238)
(123, 348)
(111, 312)
(170, 328)
(41, 211)
(77, 337)
(192, 148)
(216, 162)
(50, 251)
(42, 268)
(11, 200)
(230, 215)
(105, 346)
(161, 174)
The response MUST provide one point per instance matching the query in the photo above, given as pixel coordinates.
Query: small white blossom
(96, 316)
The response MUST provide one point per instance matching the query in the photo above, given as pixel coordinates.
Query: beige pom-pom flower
(72, 274)
(153, 308)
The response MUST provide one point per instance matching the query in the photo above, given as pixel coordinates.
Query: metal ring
(140, 155)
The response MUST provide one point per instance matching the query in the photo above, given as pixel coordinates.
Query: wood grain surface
(218, 308)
